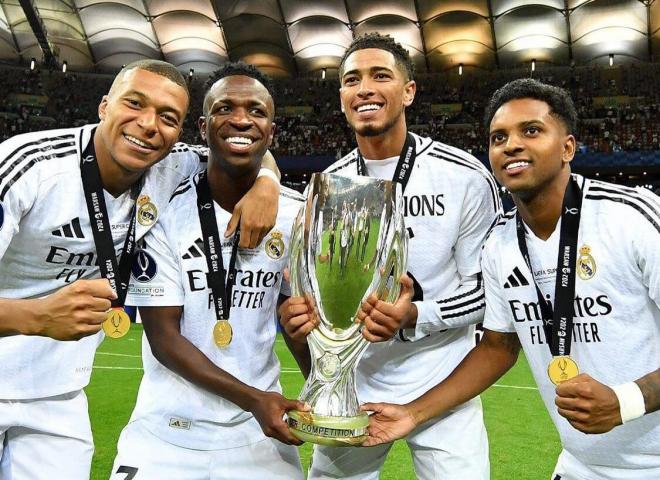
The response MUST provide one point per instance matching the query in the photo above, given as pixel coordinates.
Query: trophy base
(329, 431)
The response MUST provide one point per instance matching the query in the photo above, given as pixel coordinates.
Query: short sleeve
(497, 316)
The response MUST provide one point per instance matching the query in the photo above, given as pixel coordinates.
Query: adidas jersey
(450, 202)
(616, 332)
(46, 243)
(172, 270)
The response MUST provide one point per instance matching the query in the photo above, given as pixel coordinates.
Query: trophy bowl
(348, 241)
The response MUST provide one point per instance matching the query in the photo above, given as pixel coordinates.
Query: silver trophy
(348, 241)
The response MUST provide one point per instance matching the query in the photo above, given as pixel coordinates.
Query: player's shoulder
(185, 190)
(454, 159)
(290, 196)
(29, 157)
(346, 164)
(502, 231)
(619, 203)
(183, 160)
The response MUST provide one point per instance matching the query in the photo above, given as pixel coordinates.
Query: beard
(370, 130)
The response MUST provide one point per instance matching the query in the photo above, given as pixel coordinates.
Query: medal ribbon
(403, 166)
(117, 273)
(558, 322)
(220, 289)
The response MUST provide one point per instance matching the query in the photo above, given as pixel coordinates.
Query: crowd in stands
(619, 108)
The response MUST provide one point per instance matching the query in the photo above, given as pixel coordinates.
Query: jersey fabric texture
(175, 269)
(450, 202)
(46, 243)
(616, 332)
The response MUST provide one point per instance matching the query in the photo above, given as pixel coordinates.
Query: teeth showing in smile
(137, 141)
(239, 140)
(516, 165)
(368, 108)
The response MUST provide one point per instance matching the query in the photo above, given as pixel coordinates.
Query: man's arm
(257, 210)
(482, 367)
(593, 407)
(71, 313)
(174, 351)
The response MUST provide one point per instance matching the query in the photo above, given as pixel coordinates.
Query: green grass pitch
(523, 442)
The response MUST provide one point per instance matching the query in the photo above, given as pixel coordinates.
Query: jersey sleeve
(646, 243)
(159, 285)
(465, 305)
(16, 197)
(496, 315)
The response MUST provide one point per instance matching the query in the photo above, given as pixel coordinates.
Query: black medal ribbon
(220, 289)
(117, 273)
(558, 321)
(404, 165)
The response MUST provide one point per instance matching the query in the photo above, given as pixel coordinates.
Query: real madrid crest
(586, 265)
(275, 245)
(147, 211)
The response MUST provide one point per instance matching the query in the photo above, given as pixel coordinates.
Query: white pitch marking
(116, 368)
(119, 354)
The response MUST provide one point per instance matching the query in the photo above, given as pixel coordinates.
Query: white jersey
(175, 271)
(616, 334)
(46, 243)
(451, 200)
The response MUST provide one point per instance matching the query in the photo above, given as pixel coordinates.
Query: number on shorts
(129, 471)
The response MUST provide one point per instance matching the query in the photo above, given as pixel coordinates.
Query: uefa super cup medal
(117, 323)
(562, 368)
(336, 286)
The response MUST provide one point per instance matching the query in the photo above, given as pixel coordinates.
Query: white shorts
(143, 456)
(571, 468)
(455, 447)
(46, 438)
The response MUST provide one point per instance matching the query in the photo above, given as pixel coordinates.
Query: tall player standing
(591, 305)
(211, 389)
(49, 183)
(451, 201)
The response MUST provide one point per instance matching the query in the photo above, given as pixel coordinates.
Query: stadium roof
(294, 37)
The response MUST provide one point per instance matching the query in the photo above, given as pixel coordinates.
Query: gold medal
(222, 333)
(562, 368)
(117, 323)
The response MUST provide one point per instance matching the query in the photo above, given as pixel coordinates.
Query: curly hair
(381, 42)
(560, 102)
(239, 68)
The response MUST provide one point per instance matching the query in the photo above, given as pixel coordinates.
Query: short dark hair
(158, 67)
(239, 68)
(381, 42)
(560, 102)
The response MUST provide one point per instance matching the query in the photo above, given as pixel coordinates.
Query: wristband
(631, 401)
(267, 172)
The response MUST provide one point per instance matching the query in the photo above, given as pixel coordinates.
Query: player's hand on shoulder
(269, 409)
(298, 317)
(74, 311)
(381, 320)
(256, 212)
(387, 422)
(588, 405)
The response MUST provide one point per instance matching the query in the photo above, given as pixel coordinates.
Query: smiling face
(141, 120)
(238, 123)
(374, 92)
(529, 147)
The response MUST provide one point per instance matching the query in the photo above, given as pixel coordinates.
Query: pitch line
(119, 354)
(284, 370)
